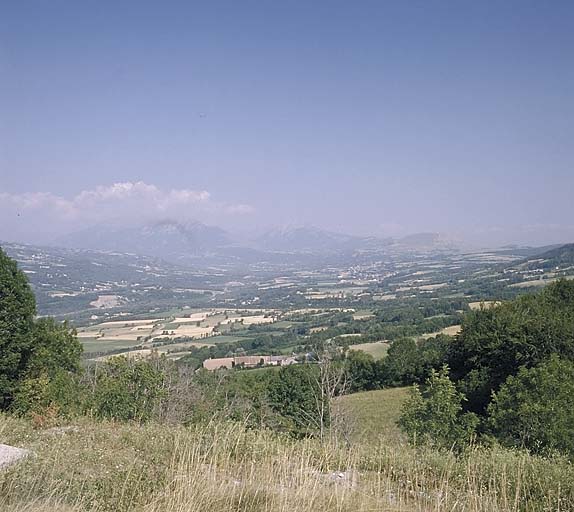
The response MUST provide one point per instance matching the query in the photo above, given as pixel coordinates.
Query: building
(248, 362)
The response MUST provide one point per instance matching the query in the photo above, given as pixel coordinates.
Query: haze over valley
(287, 256)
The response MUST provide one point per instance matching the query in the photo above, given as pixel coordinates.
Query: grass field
(374, 414)
(377, 349)
(113, 467)
(97, 345)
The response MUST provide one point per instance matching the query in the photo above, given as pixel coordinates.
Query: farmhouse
(247, 361)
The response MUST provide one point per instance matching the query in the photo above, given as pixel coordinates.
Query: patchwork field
(209, 326)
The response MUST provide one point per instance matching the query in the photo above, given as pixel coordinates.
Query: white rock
(10, 455)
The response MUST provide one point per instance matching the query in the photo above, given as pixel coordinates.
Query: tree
(535, 408)
(17, 309)
(362, 371)
(495, 343)
(56, 348)
(50, 379)
(125, 389)
(433, 354)
(293, 392)
(402, 364)
(434, 415)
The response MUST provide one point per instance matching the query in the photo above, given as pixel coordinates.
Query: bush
(60, 393)
(535, 409)
(127, 389)
(434, 415)
(294, 393)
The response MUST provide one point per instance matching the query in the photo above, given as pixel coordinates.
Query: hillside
(374, 414)
(91, 466)
(562, 256)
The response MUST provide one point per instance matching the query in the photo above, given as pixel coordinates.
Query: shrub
(127, 389)
(535, 409)
(434, 415)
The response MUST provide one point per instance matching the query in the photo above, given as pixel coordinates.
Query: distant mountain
(427, 241)
(310, 239)
(190, 242)
(167, 239)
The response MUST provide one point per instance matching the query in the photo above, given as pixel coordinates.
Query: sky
(366, 117)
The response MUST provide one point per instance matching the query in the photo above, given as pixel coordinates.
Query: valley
(281, 303)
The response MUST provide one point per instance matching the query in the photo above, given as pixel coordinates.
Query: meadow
(90, 465)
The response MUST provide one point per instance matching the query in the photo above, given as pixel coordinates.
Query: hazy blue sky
(367, 117)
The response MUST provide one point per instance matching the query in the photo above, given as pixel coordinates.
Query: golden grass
(224, 467)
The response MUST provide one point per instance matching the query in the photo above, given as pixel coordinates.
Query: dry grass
(223, 467)
(378, 349)
(486, 304)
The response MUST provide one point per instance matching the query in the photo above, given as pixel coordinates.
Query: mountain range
(175, 241)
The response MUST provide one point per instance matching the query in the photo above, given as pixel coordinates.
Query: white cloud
(122, 203)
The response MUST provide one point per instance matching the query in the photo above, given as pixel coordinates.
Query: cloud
(123, 203)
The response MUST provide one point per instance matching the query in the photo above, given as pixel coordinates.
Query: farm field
(453, 330)
(377, 349)
(538, 282)
(97, 345)
(486, 304)
(196, 328)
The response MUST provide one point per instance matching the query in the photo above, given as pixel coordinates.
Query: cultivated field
(198, 328)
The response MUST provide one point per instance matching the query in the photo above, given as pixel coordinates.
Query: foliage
(17, 309)
(38, 358)
(402, 364)
(51, 377)
(535, 408)
(126, 389)
(59, 393)
(294, 393)
(496, 342)
(56, 348)
(363, 371)
(434, 415)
